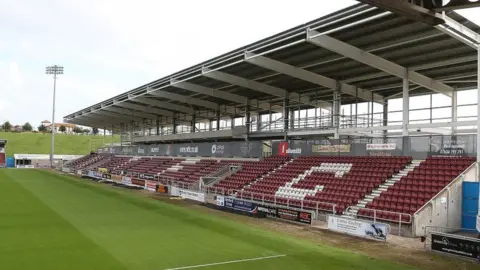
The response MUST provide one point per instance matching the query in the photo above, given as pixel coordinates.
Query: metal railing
(317, 206)
(377, 216)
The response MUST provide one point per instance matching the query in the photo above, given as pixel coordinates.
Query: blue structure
(10, 162)
(470, 205)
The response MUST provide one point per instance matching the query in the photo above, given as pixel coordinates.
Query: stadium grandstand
(359, 114)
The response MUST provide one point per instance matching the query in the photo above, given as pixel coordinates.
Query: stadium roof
(363, 50)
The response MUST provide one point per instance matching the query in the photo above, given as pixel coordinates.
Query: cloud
(108, 47)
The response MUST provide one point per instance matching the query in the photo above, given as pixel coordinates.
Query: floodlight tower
(55, 71)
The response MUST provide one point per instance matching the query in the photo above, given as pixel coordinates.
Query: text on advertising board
(361, 228)
(469, 248)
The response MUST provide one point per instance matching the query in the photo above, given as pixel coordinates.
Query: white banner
(151, 185)
(220, 200)
(478, 222)
(127, 181)
(361, 228)
(381, 146)
(187, 194)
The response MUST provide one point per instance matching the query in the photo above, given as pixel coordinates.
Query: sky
(108, 47)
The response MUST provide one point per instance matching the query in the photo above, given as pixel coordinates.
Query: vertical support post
(368, 113)
(158, 127)
(174, 123)
(218, 118)
(478, 112)
(286, 114)
(144, 124)
(292, 118)
(406, 106)
(270, 115)
(247, 116)
(356, 106)
(454, 110)
(111, 141)
(104, 135)
(52, 152)
(385, 118)
(192, 128)
(337, 103)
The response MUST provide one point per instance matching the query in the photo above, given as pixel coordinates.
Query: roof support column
(111, 141)
(385, 118)
(174, 123)
(158, 127)
(104, 135)
(337, 103)
(193, 122)
(406, 107)
(247, 117)
(292, 118)
(478, 112)
(454, 111)
(218, 118)
(286, 114)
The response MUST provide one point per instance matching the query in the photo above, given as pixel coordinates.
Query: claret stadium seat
(418, 187)
(312, 180)
(251, 170)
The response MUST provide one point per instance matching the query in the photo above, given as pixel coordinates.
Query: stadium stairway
(383, 187)
(326, 182)
(400, 200)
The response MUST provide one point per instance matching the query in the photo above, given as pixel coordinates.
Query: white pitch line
(229, 262)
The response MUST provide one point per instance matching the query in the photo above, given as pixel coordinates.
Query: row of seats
(418, 187)
(249, 172)
(328, 180)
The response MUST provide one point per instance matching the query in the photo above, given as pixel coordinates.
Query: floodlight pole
(53, 70)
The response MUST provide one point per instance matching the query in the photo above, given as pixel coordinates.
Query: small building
(16, 128)
(30, 161)
(68, 127)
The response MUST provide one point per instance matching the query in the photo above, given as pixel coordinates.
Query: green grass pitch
(39, 143)
(49, 221)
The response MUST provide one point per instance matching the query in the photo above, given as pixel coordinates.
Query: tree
(62, 129)
(7, 126)
(95, 131)
(42, 128)
(27, 127)
(77, 130)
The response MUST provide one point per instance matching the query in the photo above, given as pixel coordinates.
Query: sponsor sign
(107, 176)
(189, 149)
(79, 172)
(381, 146)
(138, 182)
(103, 170)
(187, 194)
(147, 176)
(464, 247)
(162, 189)
(447, 147)
(235, 204)
(127, 181)
(65, 170)
(478, 222)
(294, 215)
(333, 148)
(151, 185)
(284, 150)
(287, 214)
(218, 149)
(91, 174)
(116, 178)
(361, 228)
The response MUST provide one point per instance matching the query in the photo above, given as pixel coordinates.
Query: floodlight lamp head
(54, 70)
